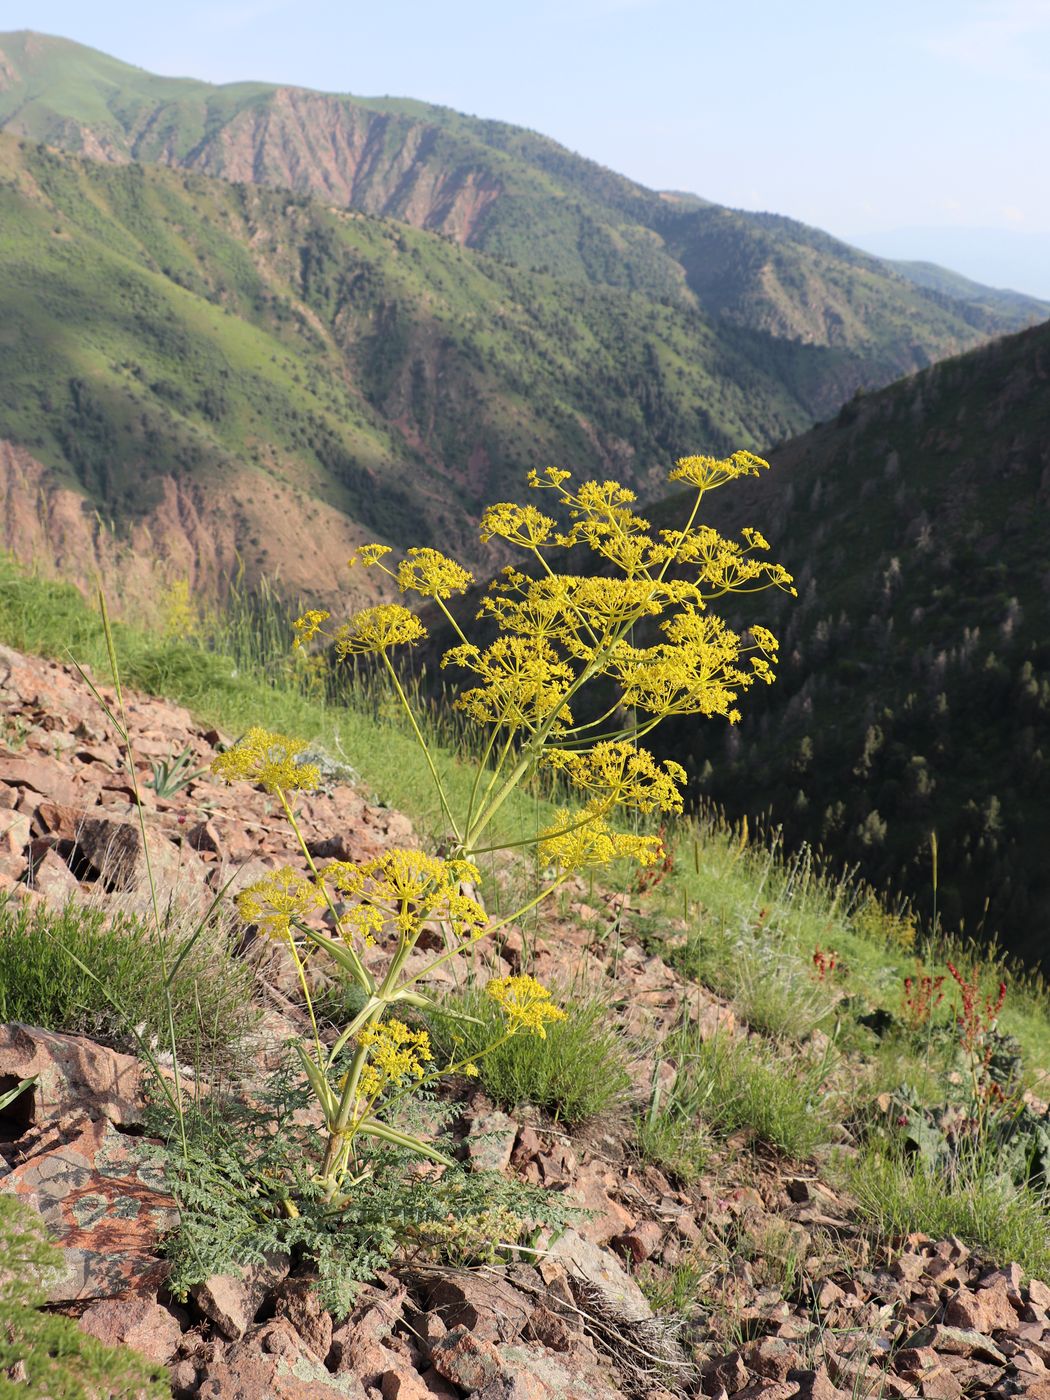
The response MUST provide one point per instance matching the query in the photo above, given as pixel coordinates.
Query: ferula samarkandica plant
(557, 633)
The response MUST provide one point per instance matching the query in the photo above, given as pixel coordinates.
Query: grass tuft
(43, 984)
(740, 1086)
(1001, 1220)
(578, 1072)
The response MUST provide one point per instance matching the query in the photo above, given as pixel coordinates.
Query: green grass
(576, 1073)
(755, 917)
(42, 982)
(1004, 1222)
(740, 1085)
(669, 1136)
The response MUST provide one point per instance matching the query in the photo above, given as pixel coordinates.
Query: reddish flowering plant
(979, 1014)
(649, 876)
(825, 962)
(920, 997)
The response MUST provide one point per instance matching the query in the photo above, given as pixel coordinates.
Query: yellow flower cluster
(279, 901)
(697, 670)
(620, 774)
(268, 760)
(523, 681)
(432, 574)
(369, 554)
(377, 629)
(578, 840)
(307, 627)
(705, 473)
(520, 525)
(395, 1054)
(427, 572)
(406, 889)
(526, 1004)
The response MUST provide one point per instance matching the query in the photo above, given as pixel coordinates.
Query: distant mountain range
(297, 316)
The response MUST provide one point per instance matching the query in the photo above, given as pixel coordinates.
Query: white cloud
(229, 17)
(1001, 37)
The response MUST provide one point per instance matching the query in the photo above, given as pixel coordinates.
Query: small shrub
(577, 1073)
(42, 982)
(897, 1194)
(773, 990)
(171, 775)
(675, 1292)
(55, 1358)
(920, 997)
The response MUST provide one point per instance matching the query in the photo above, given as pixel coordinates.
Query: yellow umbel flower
(269, 760)
(432, 574)
(526, 1004)
(620, 774)
(406, 889)
(395, 1054)
(368, 555)
(377, 629)
(179, 612)
(307, 627)
(279, 900)
(705, 473)
(523, 681)
(521, 525)
(581, 839)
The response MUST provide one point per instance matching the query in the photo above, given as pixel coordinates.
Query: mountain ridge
(508, 190)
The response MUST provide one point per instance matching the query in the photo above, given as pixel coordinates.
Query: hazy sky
(865, 119)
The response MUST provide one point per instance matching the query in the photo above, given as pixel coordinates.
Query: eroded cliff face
(202, 532)
(331, 149)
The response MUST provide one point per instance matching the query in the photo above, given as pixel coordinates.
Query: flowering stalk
(557, 634)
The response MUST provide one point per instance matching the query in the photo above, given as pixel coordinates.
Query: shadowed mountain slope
(913, 694)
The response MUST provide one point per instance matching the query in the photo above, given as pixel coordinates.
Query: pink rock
(297, 1301)
(404, 1385)
(988, 1310)
(101, 1195)
(45, 776)
(593, 1186)
(468, 1361)
(641, 1242)
(14, 832)
(115, 848)
(137, 1322)
(272, 1362)
(232, 1300)
(488, 1305)
(52, 878)
(71, 1072)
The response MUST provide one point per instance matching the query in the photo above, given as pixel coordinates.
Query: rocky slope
(926, 1318)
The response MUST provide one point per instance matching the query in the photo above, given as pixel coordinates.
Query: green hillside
(913, 694)
(159, 325)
